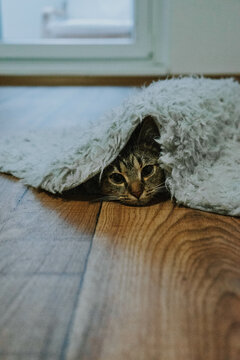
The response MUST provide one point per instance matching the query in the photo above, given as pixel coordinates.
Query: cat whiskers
(156, 189)
(124, 197)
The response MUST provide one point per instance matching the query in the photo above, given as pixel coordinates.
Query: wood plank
(43, 249)
(44, 228)
(11, 194)
(33, 312)
(162, 282)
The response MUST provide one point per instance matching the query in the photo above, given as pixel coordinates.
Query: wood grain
(162, 282)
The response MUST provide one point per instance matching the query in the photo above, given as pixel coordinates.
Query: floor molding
(61, 80)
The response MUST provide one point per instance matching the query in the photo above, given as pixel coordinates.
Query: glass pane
(47, 20)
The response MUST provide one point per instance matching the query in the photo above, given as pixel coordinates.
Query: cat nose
(136, 189)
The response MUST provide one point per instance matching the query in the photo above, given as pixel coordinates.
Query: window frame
(148, 53)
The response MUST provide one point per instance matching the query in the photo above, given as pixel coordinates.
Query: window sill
(87, 67)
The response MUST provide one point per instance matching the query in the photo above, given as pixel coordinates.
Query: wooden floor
(103, 281)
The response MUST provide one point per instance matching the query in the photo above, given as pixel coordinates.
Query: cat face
(135, 177)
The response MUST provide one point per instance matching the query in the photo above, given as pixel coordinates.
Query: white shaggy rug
(199, 122)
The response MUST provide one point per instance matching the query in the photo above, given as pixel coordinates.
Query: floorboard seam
(66, 340)
(20, 198)
(14, 209)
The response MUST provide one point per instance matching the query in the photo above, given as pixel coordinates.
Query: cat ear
(148, 131)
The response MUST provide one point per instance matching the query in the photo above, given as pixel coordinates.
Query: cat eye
(147, 170)
(117, 178)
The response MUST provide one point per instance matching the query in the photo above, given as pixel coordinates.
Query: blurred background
(29, 20)
(127, 37)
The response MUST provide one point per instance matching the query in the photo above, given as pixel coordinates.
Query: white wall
(204, 36)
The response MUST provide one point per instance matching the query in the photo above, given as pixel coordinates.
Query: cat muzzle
(136, 189)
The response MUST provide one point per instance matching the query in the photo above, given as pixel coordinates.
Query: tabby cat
(135, 177)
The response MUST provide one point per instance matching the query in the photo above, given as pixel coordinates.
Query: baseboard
(50, 80)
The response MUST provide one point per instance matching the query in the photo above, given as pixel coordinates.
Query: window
(80, 32)
(26, 20)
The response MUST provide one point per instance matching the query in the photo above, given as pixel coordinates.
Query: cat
(135, 177)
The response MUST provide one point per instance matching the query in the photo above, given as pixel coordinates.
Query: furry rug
(199, 122)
